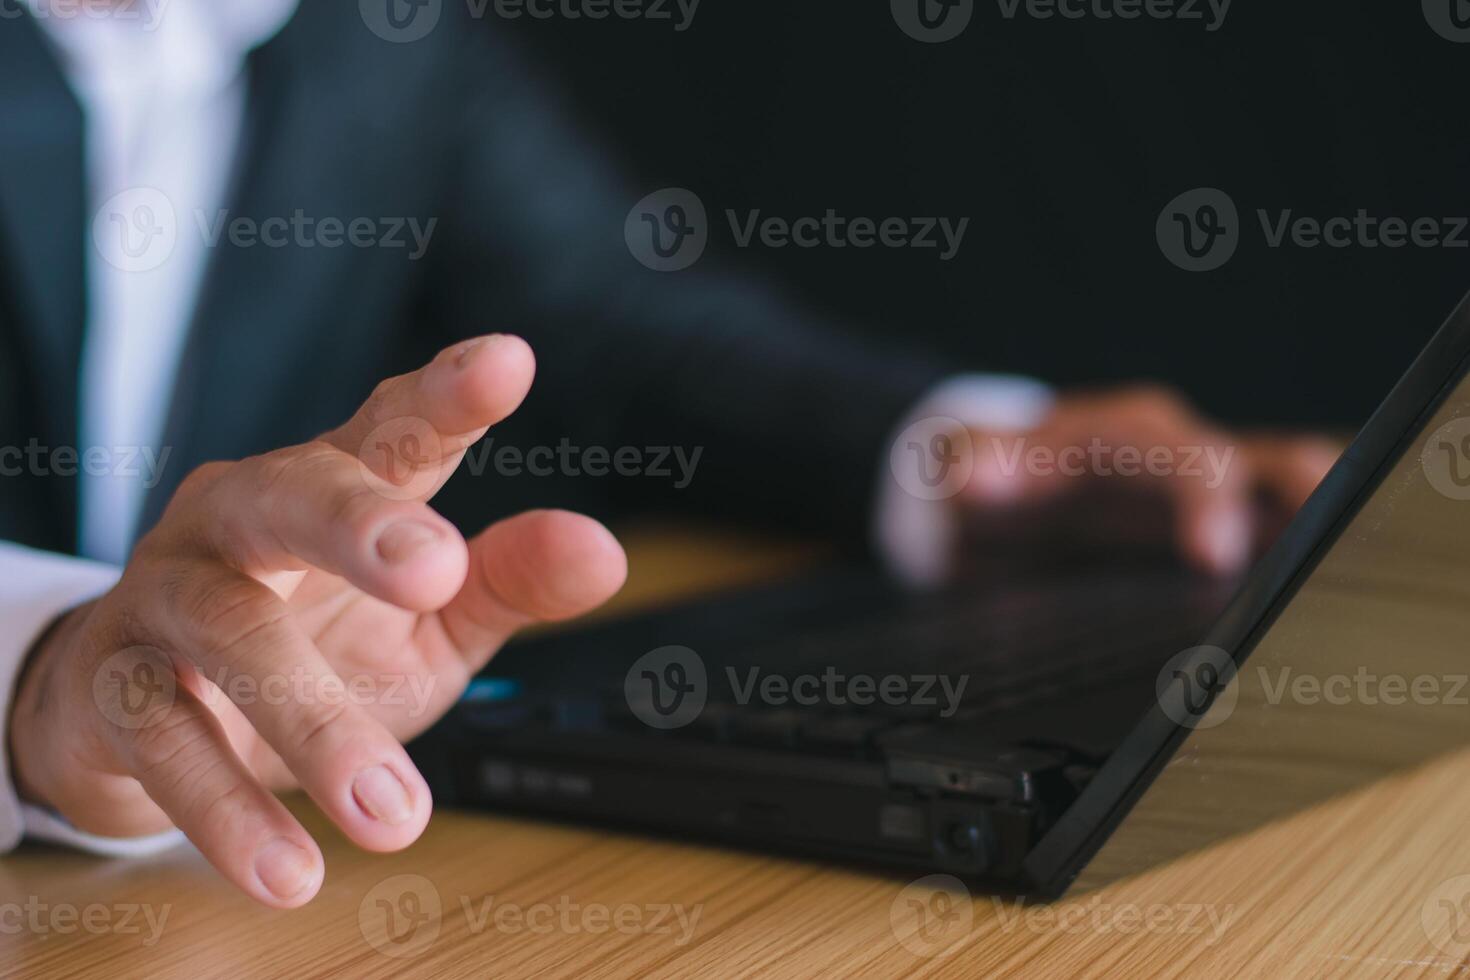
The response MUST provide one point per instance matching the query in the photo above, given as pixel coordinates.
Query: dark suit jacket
(791, 415)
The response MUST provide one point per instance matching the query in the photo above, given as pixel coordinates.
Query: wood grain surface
(1374, 882)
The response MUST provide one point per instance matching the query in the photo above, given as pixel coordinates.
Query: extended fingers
(239, 635)
(414, 428)
(535, 567)
(174, 746)
(308, 506)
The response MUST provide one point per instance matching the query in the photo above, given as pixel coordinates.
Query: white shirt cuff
(36, 587)
(917, 535)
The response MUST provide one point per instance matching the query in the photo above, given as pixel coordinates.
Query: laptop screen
(1365, 670)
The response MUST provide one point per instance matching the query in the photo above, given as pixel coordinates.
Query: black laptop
(999, 730)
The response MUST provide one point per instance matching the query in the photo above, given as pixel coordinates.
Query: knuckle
(352, 512)
(226, 610)
(238, 631)
(262, 476)
(202, 477)
(379, 403)
(221, 813)
(160, 751)
(312, 726)
(221, 616)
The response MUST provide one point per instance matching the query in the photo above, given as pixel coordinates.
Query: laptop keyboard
(1013, 648)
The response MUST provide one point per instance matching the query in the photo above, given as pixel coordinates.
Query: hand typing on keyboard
(1131, 468)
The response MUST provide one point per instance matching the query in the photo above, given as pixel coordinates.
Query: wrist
(35, 702)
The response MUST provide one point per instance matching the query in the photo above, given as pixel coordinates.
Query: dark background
(1062, 141)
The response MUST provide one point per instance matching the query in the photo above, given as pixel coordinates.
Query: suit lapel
(43, 224)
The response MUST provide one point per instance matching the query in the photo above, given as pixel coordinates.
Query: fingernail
(468, 348)
(382, 795)
(402, 542)
(285, 869)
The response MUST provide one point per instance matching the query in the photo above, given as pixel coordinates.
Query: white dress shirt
(162, 89)
(163, 102)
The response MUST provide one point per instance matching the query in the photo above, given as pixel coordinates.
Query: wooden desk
(1351, 887)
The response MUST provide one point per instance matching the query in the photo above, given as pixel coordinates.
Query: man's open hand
(290, 621)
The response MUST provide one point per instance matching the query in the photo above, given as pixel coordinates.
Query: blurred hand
(1129, 469)
(290, 621)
